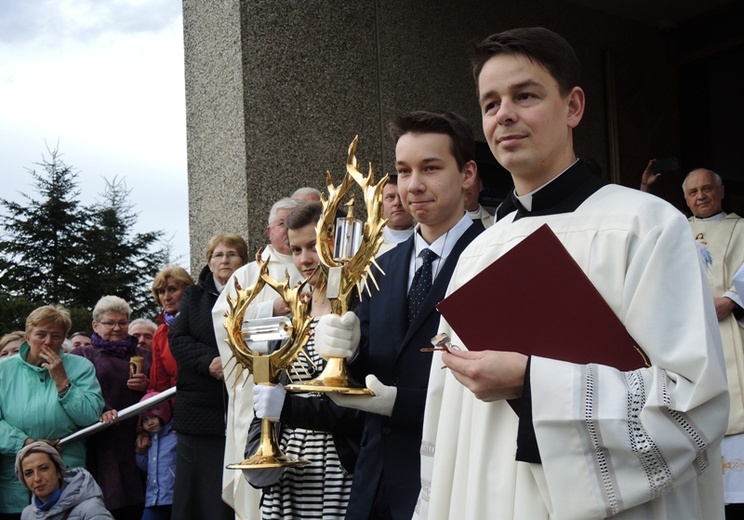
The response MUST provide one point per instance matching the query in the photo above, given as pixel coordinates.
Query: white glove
(268, 401)
(381, 403)
(263, 477)
(337, 336)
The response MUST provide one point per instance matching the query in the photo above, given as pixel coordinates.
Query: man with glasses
(236, 491)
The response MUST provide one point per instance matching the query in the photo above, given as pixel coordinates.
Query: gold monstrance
(267, 367)
(346, 248)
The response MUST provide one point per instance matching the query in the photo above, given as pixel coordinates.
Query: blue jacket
(81, 499)
(160, 465)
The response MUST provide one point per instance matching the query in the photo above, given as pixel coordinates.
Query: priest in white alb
(590, 441)
(236, 491)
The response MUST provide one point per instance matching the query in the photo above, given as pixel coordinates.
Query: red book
(537, 300)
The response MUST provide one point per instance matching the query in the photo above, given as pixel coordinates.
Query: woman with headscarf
(45, 395)
(57, 493)
(199, 416)
(111, 451)
(167, 289)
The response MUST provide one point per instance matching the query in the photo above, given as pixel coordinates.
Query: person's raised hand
(142, 443)
(649, 177)
(138, 382)
(52, 362)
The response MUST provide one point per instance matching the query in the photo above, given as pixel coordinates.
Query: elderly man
(720, 240)
(236, 491)
(144, 330)
(306, 194)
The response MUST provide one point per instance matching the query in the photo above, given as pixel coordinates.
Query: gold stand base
(265, 462)
(268, 455)
(335, 378)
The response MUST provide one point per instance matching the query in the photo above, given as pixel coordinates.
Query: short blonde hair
(178, 274)
(12, 336)
(113, 304)
(231, 240)
(51, 316)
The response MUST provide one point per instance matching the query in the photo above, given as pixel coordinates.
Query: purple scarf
(169, 318)
(122, 348)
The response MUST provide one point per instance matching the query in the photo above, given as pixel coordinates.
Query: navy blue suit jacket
(390, 349)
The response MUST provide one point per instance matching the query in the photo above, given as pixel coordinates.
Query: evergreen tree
(55, 251)
(124, 262)
(41, 241)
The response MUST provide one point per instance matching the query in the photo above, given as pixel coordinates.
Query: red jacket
(164, 368)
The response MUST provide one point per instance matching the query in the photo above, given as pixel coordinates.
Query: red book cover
(538, 301)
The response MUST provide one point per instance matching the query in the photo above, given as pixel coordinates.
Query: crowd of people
(447, 432)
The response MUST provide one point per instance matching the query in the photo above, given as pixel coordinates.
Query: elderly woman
(167, 289)
(111, 451)
(45, 395)
(199, 417)
(57, 493)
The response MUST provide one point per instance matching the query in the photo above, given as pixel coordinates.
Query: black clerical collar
(563, 194)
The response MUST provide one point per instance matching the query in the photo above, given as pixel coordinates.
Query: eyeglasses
(113, 324)
(229, 255)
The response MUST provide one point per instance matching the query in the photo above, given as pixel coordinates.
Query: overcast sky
(102, 81)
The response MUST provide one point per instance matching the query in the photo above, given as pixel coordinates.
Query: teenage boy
(434, 156)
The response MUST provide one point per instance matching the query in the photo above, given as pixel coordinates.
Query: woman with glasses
(199, 416)
(111, 458)
(167, 289)
(45, 395)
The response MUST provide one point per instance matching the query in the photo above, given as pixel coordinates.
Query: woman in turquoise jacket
(45, 395)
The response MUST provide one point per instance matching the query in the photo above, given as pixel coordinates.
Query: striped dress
(320, 489)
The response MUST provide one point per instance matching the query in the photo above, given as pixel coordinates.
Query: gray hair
(284, 203)
(716, 177)
(110, 304)
(67, 345)
(143, 321)
(306, 191)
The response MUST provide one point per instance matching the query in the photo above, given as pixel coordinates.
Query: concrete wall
(276, 90)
